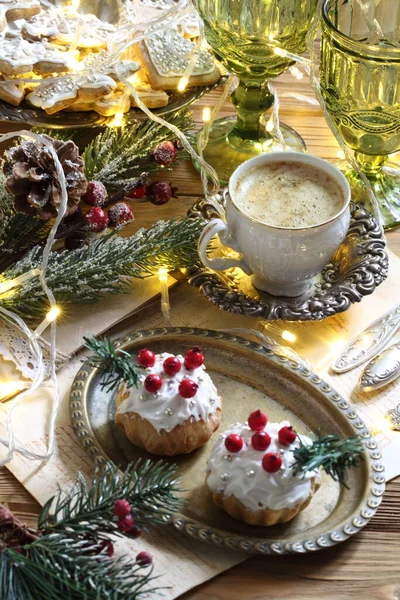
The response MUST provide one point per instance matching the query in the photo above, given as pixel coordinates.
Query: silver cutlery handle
(369, 342)
(382, 370)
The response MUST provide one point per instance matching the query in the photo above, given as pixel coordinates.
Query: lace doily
(15, 348)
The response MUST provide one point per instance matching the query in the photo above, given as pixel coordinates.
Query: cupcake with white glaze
(251, 472)
(175, 408)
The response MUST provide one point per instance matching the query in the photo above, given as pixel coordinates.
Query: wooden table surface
(368, 565)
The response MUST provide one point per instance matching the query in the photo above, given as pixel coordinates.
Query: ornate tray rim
(336, 296)
(375, 485)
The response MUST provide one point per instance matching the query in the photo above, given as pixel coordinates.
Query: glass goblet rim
(371, 51)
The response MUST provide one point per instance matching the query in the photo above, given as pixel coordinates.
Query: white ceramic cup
(282, 260)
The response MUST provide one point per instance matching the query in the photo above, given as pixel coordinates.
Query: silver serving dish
(358, 267)
(247, 374)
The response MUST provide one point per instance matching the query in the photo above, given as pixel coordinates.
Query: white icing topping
(243, 476)
(167, 408)
(65, 88)
(14, 89)
(171, 54)
(64, 27)
(20, 53)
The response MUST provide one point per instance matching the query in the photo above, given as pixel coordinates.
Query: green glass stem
(251, 100)
(371, 165)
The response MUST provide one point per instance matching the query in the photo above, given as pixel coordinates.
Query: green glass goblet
(243, 35)
(360, 84)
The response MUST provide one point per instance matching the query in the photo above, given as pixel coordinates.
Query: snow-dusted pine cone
(32, 179)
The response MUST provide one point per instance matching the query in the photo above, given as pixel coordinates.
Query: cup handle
(218, 226)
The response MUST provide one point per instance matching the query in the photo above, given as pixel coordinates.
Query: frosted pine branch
(104, 266)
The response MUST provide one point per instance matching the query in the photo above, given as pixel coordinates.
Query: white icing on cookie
(170, 55)
(65, 88)
(167, 408)
(18, 52)
(13, 88)
(63, 28)
(242, 474)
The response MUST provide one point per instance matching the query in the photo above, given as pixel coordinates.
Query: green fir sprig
(331, 453)
(69, 555)
(116, 156)
(149, 487)
(103, 266)
(114, 364)
(18, 233)
(60, 566)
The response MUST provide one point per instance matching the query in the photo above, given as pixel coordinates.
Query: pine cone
(32, 179)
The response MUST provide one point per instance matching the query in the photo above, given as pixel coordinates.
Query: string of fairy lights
(125, 37)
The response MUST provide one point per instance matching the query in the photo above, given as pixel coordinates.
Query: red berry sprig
(165, 153)
(153, 383)
(188, 388)
(194, 358)
(97, 219)
(138, 192)
(271, 462)
(160, 192)
(126, 523)
(120, 213)
(260, 440)
(122, 508)
(233, 442)
(172, 365)
(144, 558)
(95, 194)
(286, 435)
(257, 420)
(146, 358)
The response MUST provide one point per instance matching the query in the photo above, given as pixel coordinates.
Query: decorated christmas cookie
(79, 89)
(21, 56)
(12, 10)
(87, 31)
(251, 472)
(167, 58)
(175, 408)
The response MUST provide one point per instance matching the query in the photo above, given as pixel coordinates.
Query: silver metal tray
(358, 267)
(247, 375)
(37, 117)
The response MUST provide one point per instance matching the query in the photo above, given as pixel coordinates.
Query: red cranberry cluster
(194, 358)
(260, 440)
(126, 522)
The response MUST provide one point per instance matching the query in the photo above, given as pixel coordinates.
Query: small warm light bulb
(75, 4)
(134, 79)
(340, 154)
(53, 313)
(269, 126)
(118, 120)
(381, 426)
(182, 84)
(280, 52)
(9, 388)
(206, 116)
(163, 274)
(288, 336)
(297, 74)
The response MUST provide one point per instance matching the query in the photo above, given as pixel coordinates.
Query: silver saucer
(357, 268)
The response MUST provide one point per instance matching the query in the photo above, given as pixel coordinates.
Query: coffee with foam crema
(288, 194)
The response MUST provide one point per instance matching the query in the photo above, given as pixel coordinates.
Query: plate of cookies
(71, 65)
(271, 459)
